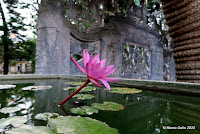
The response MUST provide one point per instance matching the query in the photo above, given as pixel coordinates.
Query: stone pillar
(53, 43)
(182, 17)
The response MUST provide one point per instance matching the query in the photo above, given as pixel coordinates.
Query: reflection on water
(145, 113)
(17, 98)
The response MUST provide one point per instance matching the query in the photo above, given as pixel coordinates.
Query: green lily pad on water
(10, 109)
(108, 105)
(14, 121)
(46, 116)
(79, 125)
(122, 90)
(70, 88)
(85, 89)
(28, 129)
(7, 86)
(85, 110)
(83, 96)
(34, 88)
(77, 83)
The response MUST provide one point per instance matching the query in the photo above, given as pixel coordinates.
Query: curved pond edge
(180, 87)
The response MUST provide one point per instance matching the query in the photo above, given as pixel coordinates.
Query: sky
(25, 13)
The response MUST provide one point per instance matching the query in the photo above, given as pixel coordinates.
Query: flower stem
(75, 92)
(63, 109)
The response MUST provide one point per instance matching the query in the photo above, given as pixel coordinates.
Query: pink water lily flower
(95, 70)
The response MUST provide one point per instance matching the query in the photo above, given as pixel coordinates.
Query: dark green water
(145, 113)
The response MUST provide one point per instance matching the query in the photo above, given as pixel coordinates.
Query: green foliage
(13, 23)
(15, 20)
(89, 15)
(13, 62)
(153, 5)
(109, 13)
(137, 2)
(34, 6)
(25, 51)
(77, 57)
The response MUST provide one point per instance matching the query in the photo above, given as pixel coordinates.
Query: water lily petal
(103, 62)
(88, 70)
(108, 68)
(111, 71)
(79, 67)
(95, 68)
(99, 73)
(105, 83)
(84, 58)
(87, 56)
(90, 59)
(96, 59)
(95, 82)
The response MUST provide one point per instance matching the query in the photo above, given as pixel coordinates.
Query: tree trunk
(5, 42)
(183, 19)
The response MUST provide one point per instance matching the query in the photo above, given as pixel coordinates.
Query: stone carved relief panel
(76, 50)
(136, 61)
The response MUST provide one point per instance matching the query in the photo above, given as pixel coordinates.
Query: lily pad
(83, 96)
(14, 121)
(7, 86)
(10, 109)
(28, 129)
(34, 88)
(46, 116)
(70, 88)
(85, 110)
(77, 83)
(85, 89)
(79, 125)
(108, 105)
(122, 90)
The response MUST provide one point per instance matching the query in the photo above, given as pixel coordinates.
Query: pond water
(147, 112)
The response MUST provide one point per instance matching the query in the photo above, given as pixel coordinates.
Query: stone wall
(135, 50)
(133, 47)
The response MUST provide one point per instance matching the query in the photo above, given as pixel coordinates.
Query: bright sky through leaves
(25, 13)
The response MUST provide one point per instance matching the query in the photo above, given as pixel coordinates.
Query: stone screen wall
(130, 44)
(136, 61)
